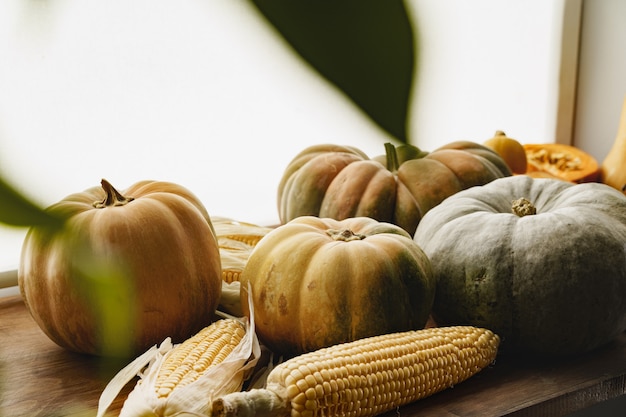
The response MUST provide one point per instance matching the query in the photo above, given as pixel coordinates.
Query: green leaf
(364, 47)
(17, 210)
(108, 288)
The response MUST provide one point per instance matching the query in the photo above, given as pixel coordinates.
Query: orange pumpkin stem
(522, 207)
(112, 198)
(345, 235)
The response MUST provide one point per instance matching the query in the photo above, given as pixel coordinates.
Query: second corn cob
(236, 240)
(367, 377)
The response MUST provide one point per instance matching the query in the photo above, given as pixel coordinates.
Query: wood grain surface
(38, 378)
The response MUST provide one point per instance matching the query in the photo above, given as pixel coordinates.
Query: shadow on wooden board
(615, 407)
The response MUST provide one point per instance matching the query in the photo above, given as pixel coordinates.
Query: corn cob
(184, 377)
(188, 361)
(247, 239)
(229, 232)
(236, 240)
(233, 262)
(367, 377)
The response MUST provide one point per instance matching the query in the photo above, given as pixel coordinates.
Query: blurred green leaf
(364, 47)
(108, 287)
(17, 210)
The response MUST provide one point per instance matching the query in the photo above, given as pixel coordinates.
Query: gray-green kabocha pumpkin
(541, 262)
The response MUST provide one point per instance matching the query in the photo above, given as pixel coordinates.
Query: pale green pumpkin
(552, 282)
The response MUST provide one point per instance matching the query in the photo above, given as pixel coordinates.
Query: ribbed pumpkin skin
(307, 177)
(339, 183)
(553, 283)
(311, 291)
(163, 238)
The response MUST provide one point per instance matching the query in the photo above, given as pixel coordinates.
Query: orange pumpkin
(318, 282)
(128, 270)
(398, 187)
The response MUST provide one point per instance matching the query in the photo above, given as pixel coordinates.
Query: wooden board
(40, 379)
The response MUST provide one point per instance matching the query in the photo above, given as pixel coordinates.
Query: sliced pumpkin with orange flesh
(562, 161)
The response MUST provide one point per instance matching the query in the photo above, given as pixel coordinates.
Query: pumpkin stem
(522, 207)
(112, 198)
(345, 235)
(392, 157)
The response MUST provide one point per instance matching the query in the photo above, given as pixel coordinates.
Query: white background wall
(488, 65)
(198, 92)
(203, 93)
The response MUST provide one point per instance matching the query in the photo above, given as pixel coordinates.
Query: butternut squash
(510, 150)
(613, 169)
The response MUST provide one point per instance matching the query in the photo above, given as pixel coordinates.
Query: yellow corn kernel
(367, 377)
(188, 361)
(230, 275)
(233, 263)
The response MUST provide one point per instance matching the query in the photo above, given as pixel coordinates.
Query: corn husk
(230, 301)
